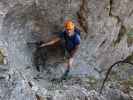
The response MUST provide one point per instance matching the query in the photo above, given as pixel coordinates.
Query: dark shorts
(67, 52)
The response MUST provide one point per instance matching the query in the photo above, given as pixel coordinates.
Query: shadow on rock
(40, 57)
(45, 56)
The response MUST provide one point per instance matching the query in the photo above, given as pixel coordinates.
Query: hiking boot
(65, 75)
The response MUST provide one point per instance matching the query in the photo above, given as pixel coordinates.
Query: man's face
(70, 32)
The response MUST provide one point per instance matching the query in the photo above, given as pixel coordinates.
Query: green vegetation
(91, 81)
(121, 78)
(1, 57)
(128, 82)
(123, 31)
(130, 37)
(130, 58)
(121, 34)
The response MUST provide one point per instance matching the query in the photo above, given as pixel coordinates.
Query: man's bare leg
(69, 65)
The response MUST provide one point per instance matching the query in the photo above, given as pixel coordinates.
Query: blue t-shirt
(70, 41)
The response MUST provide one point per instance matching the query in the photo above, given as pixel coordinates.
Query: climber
(71, 36)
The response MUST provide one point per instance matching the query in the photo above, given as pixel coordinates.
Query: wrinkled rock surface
(105, 26)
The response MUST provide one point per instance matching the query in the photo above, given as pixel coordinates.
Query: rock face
(107, 33)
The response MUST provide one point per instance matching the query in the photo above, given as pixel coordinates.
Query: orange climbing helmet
(69, 25)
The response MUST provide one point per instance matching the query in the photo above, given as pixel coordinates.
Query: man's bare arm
(54, 40)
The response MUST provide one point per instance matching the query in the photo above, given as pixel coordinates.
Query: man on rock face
(71, 35)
